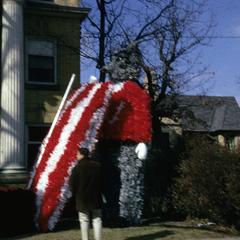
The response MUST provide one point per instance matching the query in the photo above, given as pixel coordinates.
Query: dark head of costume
(125, 64)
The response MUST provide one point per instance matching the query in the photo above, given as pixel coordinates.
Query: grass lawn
(161, 230)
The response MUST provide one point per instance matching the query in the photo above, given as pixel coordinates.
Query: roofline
(205, 131)
(53, 9)
(212, 96)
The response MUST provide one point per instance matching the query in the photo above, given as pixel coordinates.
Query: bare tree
(100, 31)
(179, 34)
(166, 34)
(174, 37)
(112, 23)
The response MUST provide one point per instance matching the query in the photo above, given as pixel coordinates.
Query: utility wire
(214, 37)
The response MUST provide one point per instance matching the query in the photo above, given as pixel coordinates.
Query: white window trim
(55, 61)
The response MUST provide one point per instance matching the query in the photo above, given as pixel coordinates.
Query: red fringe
(134, 121)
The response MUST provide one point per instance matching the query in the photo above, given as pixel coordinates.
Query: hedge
(208, 183)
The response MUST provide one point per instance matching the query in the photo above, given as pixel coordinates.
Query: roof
(209, 113)
(52, 8)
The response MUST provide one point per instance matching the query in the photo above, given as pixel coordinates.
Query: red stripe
(57, 178)
(53, 140)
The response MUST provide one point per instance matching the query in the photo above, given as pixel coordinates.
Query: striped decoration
(80, 124)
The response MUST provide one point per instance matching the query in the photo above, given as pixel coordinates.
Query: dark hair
(84, 151)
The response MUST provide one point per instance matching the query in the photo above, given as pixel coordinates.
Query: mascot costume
(118, 110)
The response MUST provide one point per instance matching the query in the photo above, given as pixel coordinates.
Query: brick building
(39, 52)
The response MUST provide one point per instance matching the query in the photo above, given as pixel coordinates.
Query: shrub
(17, 211)
(159, 174)
(208, 182)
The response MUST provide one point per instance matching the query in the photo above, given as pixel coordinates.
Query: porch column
(12, 87)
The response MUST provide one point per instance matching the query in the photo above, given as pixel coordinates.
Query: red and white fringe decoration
(129, 116)
(80, 124)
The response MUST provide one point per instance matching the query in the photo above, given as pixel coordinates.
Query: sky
(221, 55)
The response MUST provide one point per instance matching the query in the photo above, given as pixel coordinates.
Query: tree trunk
(156, 129)
(101, 62)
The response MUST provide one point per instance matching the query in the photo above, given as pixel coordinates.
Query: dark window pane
(32, 154)
(40, 69)
(37, 134)
(43, 0)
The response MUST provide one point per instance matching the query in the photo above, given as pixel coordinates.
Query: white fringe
(118, 87)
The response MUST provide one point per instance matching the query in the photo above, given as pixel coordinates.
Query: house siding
(42, 104)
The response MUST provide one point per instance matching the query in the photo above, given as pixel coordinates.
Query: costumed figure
(117, 110)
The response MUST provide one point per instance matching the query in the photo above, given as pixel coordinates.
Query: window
(41, 62)
(231, 143)
(36, 134)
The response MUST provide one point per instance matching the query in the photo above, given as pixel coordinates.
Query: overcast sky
(222, 55)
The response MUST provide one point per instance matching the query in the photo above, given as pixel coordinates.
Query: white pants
(96, 221)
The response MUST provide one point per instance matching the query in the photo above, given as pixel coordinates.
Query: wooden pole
(62, 103)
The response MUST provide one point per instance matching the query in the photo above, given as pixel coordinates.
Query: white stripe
(74, 96)
(75, 116)
(120, 107)
(89, 142)
(96, 121)
(118, 87)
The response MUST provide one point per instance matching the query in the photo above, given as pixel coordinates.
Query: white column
(12, 87)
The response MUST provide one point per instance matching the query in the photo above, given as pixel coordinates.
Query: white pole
(62, 104)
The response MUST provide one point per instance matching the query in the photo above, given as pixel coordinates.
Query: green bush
(160, 170)
(208, 183)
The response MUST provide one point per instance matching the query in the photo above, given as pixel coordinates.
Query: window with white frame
(41, 62)
(36, 134)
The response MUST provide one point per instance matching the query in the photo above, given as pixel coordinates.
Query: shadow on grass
(67, 224)
(210, 229)
(152, 236)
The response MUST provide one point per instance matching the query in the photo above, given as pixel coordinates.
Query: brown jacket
(85, 185)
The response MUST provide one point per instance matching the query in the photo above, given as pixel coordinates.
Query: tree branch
(153, 20)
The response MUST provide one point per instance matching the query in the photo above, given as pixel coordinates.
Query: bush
(17, 211)
(160, 171)
(208, 183)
